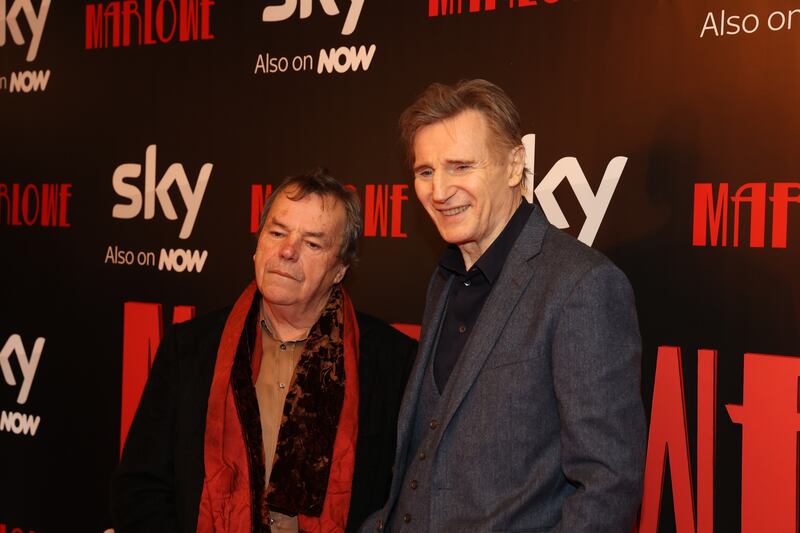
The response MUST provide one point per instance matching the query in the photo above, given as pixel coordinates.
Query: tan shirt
(278, 362)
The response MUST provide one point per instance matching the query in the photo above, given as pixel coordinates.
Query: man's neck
(289, 322)
(472, 251)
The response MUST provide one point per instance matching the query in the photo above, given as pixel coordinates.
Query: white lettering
(19, 423)
(180, 260)
(343, 58)
(287, 9)
(35, 22)
(593, 205)
(159, 190)
(29, 80)
(27, 365)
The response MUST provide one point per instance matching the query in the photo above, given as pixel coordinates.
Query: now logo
(594, 205)
(345, 58)
(180, 260)
(26, 81)
(19, 423)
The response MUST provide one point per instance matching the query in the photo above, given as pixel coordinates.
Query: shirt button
(413, 484)
(406, 518)
(422, 456)
(462, 328)
(434, 424)
(380, 525)
(467, 282)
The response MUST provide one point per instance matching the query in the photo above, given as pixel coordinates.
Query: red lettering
(142, 331)
(130, 8)
(706, 436)
(94, 27)
(258, 198)
(148, 22)
(412, 330)
(26, 200)
(668, 435)
(63, 196)
(15, 221)
(758, 206)
(397, 209)
(376, 209)
(475, 5)
(780, 211)
(205, 19)
(434, 5)
(4, 195)
(49, 206)
(190, 13)
(160, 20)
(522, 3)
(770, 422)
(112, 11)
(704, 206)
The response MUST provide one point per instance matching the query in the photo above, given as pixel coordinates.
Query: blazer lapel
(514, 278)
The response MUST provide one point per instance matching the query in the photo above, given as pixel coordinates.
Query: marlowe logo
(593, 205)
(287, 9)
(159, 190)
(9, 19)
(27, 365)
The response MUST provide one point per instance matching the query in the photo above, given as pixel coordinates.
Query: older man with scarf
(280, 413)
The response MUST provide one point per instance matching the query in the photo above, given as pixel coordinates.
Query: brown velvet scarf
(318, 429)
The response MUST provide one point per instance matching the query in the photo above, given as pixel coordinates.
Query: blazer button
(380, 525)
(413, 484)
(434, 424)
(406, 518)
(422, 456)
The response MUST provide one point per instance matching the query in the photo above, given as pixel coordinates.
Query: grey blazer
(542, 425)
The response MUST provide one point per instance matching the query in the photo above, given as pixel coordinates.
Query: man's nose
(440, 187)
(289, 249)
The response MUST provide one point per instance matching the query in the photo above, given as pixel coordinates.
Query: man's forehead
(319, 214)
(465, 131)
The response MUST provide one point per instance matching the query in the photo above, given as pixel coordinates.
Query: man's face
(468, 186)
(297, 256)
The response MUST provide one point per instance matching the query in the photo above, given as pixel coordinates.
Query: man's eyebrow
(456, 162)
(315, 234)
(275, 222)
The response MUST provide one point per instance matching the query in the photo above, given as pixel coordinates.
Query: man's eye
(275, 233)
(426, 173)
(313, 245)
(463, 168)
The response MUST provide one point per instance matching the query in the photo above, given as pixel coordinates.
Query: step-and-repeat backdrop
(140, 138)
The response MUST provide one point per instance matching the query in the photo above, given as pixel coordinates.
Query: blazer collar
(514, 277)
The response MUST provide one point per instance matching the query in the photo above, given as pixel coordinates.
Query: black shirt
(469, 291)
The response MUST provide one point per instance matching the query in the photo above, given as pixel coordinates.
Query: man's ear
(516, 166)
(341, 271)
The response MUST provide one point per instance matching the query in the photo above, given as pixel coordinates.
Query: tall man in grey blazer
(523, 411)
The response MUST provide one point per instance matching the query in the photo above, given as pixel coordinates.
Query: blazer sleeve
(143, 486)
(597, 373)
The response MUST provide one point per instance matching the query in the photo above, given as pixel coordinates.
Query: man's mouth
(454, 210)
(283, 274)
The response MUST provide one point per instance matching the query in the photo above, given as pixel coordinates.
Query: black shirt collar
(491, 262)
